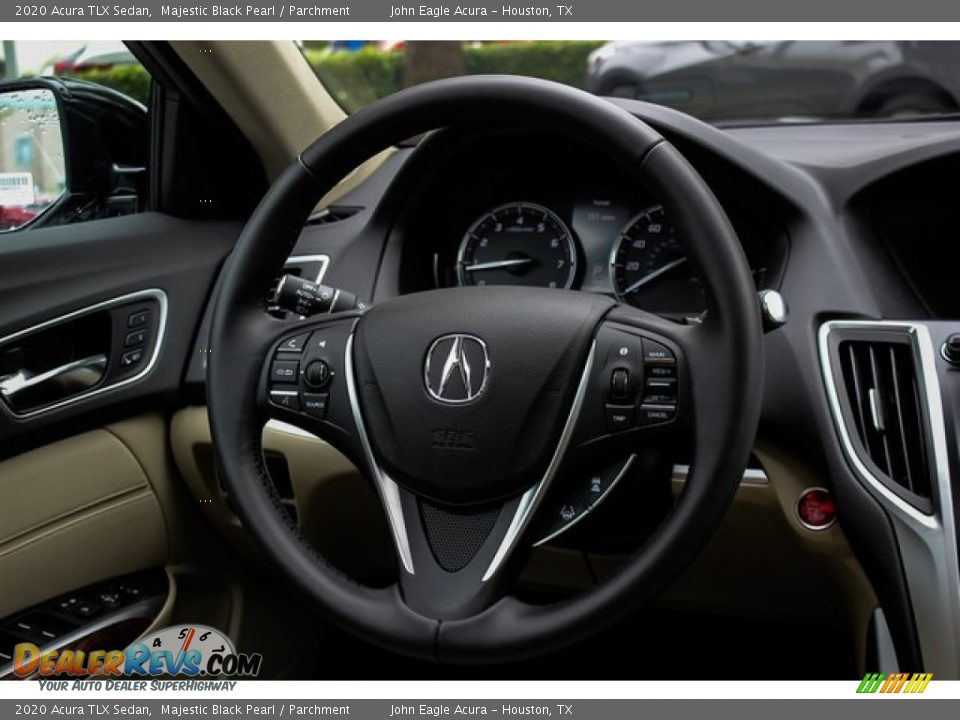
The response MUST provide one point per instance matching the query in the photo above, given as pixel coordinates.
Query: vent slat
(908, 476)
(877, 384)
(881, 385)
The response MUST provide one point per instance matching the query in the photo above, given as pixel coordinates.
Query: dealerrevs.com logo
(184, 650)
(888, 683)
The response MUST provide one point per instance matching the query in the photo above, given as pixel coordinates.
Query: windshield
(720, 82)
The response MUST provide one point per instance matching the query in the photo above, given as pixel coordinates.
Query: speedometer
(519, 243)
(649, 268)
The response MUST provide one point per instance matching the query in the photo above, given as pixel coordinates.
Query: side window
(74, 133)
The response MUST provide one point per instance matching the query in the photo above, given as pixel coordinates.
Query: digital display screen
(597, 219)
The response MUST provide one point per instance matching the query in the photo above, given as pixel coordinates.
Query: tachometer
(649, 268)
(519, 243)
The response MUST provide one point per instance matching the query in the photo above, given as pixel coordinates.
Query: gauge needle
(496, 264)
(655, 274)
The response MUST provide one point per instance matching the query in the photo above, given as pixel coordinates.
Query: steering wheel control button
(621, 385)
(294, 344)
(137, 337)
(131, 358)
(661, 371)
(315, 404)
(317, 375)
(660, 390)
(619, 417)
(289, 399)
(284, 371)
(138, 319)
(654, 352)
(651, 414)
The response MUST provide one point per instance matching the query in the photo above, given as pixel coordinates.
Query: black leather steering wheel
(462, 406)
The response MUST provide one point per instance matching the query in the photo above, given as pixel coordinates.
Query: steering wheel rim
(723, 355)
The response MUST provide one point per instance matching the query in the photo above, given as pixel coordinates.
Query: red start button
(816, 509)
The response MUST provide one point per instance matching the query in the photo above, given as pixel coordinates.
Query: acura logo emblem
(456, 368)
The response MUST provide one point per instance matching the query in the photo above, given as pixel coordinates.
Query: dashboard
(503, 210)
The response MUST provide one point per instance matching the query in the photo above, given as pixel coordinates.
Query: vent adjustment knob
(951, 349)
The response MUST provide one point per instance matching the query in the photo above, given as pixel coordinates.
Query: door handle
(82, 374)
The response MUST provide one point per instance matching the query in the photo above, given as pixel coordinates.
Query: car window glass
(39, 185)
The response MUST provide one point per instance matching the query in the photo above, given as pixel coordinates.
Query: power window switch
(137, 337)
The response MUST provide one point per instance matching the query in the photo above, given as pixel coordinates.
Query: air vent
(333, 214)
(880, 384)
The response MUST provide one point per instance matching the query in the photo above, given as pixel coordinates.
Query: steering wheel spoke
(457, 567)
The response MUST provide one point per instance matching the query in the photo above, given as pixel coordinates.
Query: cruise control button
(619, 417)
(315, 404)
(289, 399)
(660, 390)
(654, 352)
(284, 371)
(657, 414)
(661, 371)
(294, 344)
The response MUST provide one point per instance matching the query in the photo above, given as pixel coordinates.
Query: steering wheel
(464, 405)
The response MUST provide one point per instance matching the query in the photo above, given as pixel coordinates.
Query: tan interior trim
(270, 91)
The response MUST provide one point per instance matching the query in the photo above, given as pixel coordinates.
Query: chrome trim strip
(928, 542)
(751, 476)
(154, 293)
(596, 503)
(532, 498)
(389, 492)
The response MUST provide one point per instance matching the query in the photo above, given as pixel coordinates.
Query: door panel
(75, 512)
(49, 273)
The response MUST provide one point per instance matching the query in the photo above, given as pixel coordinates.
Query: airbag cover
(444, 444)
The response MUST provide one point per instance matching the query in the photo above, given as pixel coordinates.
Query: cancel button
(656, 414)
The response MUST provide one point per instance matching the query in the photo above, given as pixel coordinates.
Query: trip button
(284, 371)
(656, 414)
(619, 417)
(294, 344)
